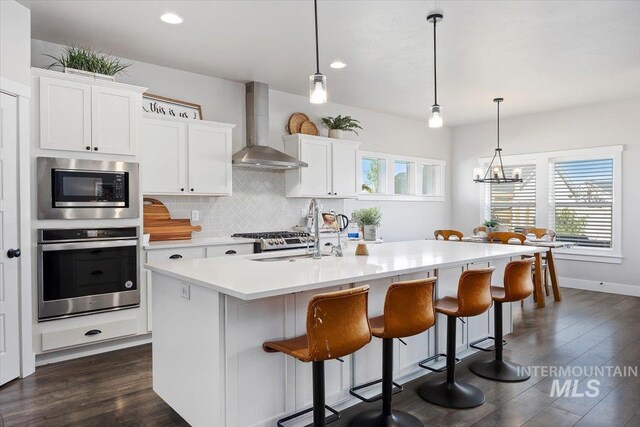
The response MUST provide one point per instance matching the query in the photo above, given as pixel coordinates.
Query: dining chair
(504, 237)
(541, 233)
(479, 229)
(447, 234)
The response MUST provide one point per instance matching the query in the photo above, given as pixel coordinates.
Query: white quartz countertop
(243, 277)
(213, 241)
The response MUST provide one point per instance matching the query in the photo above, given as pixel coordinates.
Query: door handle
(14, 253)
(93, 332)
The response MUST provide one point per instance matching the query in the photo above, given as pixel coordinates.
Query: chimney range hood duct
(257, 153)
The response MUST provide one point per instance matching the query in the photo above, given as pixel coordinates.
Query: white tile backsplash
(258, 204)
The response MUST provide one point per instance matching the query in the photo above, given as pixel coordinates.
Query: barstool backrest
(408, 308)
(447, 234)
(474, 291)
(517, 280)
(504, 237)
(338, 323)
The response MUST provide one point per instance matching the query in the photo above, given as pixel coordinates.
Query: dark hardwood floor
(586, 329)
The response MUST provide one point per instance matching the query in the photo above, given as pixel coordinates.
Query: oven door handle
(88, 245)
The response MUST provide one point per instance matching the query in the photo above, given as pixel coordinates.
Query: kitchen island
(212, 315)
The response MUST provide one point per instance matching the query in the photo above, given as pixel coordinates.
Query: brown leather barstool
(474, 298)
(408, 310)
(517, 286)
(337, 325)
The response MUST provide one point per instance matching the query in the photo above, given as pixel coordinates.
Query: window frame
(487, 196)
(387, 180)
(544, 162)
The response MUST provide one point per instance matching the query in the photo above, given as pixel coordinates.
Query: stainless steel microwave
(87, 189)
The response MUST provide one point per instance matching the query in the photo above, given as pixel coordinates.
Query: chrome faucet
(312, 215)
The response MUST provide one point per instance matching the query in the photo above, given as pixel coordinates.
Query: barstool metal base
(500, 370)
(451, 395)
(375, 418)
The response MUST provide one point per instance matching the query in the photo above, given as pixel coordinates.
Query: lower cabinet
(88, 334)
(159, 255)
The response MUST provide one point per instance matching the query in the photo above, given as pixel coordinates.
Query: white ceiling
(538, 55)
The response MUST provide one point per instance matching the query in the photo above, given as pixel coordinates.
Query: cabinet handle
(175, 256)
(95, 148)
(335, 194)
(329, 193)
(182, 189)
(328, 244)
(93, 332)
(192, 189)
(88, 147)
(230, 252)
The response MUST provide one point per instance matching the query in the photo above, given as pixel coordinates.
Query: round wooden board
(308, 128)
(295, 121)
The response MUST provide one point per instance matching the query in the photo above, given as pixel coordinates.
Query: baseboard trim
(88, 350)
(594, 285)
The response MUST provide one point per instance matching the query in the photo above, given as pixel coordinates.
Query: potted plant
(368, 219)
(491, 224)
(88, 62)
(339, 124)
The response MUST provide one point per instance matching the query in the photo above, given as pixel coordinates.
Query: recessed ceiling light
(171, 18)
(337, 64)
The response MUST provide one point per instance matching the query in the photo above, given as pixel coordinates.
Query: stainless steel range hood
(257, 153)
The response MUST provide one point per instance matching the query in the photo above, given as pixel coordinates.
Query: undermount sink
(285, 258)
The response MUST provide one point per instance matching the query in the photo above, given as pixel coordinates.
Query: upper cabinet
(84, 114)
(186, 157)
(332, 170)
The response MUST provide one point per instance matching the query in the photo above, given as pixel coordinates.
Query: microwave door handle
(87, 245)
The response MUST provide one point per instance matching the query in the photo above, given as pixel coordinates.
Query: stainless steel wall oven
(81, 271)
(89, 189)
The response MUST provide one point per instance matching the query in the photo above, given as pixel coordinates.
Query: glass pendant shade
(435, 121)
(317, 88)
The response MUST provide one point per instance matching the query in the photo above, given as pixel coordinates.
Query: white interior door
(9, 325)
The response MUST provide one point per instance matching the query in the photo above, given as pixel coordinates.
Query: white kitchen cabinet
(164, 162)
(209, 159)
(65, 115)
(115, 114)
(79, 113)
(332, 170)
(181, 157)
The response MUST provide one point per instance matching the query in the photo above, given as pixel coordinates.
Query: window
(577, 193)
(401, 170)
(582, 202)
(372, 171)
(393, 177)
(514, 204)
(431, 176)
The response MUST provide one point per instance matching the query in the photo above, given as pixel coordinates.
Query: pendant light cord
(435, 71)
(498, 123)
(315, 7)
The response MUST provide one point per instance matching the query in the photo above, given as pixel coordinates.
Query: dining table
(551, 264)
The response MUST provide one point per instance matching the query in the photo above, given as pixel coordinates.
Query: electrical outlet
(185, 291)
(195, 215)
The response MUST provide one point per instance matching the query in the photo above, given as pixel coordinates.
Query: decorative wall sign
(164, 106)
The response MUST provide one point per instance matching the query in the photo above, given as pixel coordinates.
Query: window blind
(582, 202)
(514, 204)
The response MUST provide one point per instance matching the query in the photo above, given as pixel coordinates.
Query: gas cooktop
(278, 240)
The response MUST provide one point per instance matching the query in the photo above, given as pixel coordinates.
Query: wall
(15, 33)
(612, 123)
(258, 201)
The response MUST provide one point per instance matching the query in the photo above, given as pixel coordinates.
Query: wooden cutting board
(158, 223)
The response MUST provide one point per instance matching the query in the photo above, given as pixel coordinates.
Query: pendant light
(435, 120)
(317, 81)
(495, 174)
